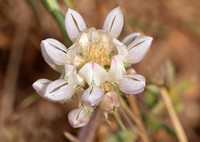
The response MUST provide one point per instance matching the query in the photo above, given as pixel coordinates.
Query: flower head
(96, 63)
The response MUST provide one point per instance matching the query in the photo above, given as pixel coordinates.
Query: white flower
(94, 62)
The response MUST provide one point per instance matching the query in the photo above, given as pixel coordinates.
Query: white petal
(68, 70)
(59, 90)
(92, 95)
(74, 24)
(132, 84)
(78, 117)
(114, 22)
(117, 68)
(93, 73)
(71, 53)
(71, 75)
(129, 38)
(40, 86)
(138, 48)
(55, 50)
(50, 62)
(121, 48)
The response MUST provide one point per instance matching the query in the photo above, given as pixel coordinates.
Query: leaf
(154, 125)
(150, 98)
(184, 85)
(151, 95)
(122, 136)
(53, 7)
(169, 130)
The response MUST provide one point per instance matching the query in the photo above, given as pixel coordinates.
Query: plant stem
(177, 125)
(133, 128)
(135, 110)
(69, 4)
(119, 121)
(130, 113)
(54, 9)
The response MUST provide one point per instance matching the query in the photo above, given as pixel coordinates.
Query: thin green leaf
(54, 8)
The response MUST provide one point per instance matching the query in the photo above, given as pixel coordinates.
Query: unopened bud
(78, 117)
(132, 84)
(110, 100)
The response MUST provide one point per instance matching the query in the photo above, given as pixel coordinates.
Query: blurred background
(172, 61)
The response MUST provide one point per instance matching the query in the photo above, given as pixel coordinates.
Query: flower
(96, 62)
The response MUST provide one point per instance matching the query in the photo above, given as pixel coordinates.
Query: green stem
(54, 9)
(69, 4)
(119, 121)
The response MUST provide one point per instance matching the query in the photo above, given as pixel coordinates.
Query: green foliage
(122, 136)
(176, 90)
(54, 8)
(153, 125)
(151, 95)
(184, 85)
(150, 98)
(69, 4)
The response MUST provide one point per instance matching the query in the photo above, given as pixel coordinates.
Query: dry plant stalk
(177, 125)
(135, 110)
(8, 93)
(70, 137)
(134, 117)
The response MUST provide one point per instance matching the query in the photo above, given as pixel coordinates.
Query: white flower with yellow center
(95, 62)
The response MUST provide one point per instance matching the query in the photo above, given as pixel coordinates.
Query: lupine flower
(96, 62)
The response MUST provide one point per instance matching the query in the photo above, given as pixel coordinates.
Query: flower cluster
(94, 68)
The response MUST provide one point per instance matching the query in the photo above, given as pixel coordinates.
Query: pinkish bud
(109, 101)
(78, 117)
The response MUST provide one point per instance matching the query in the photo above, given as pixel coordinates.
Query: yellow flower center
(95, 45)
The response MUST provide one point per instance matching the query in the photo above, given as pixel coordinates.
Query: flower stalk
(119, 121)
(132, 115)
(69, 4)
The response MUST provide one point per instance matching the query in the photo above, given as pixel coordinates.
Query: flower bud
(92, 95)
(109, 101)
(40, 86)
(78, 117)
(132, 84)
